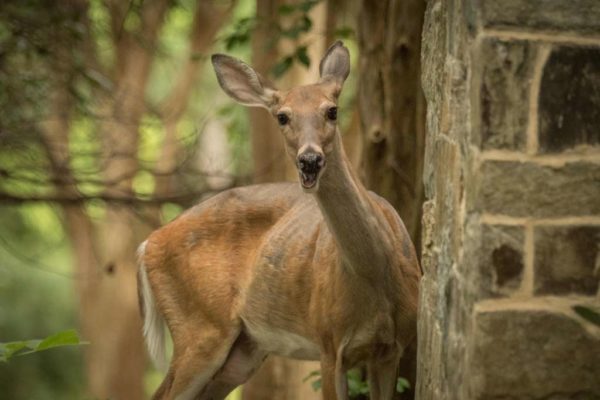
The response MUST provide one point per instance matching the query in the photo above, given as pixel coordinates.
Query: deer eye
(283, 119)
(332, 113)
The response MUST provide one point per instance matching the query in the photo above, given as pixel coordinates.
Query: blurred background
(113, 123)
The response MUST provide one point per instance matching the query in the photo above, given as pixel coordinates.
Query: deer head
(307, 115)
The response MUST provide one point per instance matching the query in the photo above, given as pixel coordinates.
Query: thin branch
(131, 199)
(31, 262)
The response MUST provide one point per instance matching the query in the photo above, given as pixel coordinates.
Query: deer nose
(310, 162)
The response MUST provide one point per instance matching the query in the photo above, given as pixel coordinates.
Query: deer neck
(362, 234)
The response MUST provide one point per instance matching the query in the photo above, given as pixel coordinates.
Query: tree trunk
(268, 153)
(116, 355)
(107, 310)
(392, 114)
(391, 102)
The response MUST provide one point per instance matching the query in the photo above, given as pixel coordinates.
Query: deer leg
(341, 382)
(328, 378)
(334, 384)
(163, 390)
(193, 366)
(243, 360)
(382, 376)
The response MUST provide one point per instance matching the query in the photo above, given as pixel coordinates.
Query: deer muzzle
(310, 163)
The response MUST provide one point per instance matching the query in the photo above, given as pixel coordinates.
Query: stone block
(433, 56)
(440, 331)
(445, 156)
(427, 251)
(566, 258)
(532, 190)
(533, 350)
(506, 71)
(500, 260)
(433, 51)
(430, 340)
(454, 324)
(569, 100)
(556, 15)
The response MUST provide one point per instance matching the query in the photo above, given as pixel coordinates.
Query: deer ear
(242, 83)
(335, 65)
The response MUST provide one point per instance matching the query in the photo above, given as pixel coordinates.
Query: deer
(322, 270)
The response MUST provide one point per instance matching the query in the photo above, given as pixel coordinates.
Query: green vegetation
(19, 348)
(36, 297)
(357, 386)
(588, 313)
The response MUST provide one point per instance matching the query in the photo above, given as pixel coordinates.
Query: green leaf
(402, 384)
(292, 33)
(5, 32)
(316, 385)
(197, 56)
(282, 66)
(311, 375)
(302, 56)
(286, 9)
(7, 350)
(308, 4)
(353, 374)
(242, 30)
(588, 314)
(356, 385)
(65, 338)
(344, 32)
(306, 24)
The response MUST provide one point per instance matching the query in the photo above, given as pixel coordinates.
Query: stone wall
(511, 235)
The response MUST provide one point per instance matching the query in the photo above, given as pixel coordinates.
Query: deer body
(326, 272)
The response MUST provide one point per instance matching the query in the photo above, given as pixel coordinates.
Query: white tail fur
(154, 324)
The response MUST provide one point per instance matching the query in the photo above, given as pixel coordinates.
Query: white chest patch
(283, 343)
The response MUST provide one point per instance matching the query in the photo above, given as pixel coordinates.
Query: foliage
(29, 64)
(315, 376)
(242, 30)
(36, 297)
(299, 55)
(298, 22)
(344, 32)
(402, 385)
(588, 314)
(23, 347)
(357, 386)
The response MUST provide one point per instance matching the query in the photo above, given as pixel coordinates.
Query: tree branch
(131, 199)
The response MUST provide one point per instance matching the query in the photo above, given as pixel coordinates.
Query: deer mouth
(308, 180)
(310, 165)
